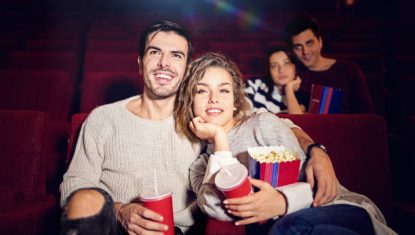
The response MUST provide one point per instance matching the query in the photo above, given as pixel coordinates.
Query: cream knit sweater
(118, 152)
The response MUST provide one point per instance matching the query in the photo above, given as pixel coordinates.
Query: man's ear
(140, 65)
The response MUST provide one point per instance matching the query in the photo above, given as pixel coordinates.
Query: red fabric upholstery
(76, 124)
(47, 91)
(110, 62)
(357, 146)
(46, 60)
(25, 207)
(101, 88)
(112, 46)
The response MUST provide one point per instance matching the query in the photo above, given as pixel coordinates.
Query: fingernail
(225, 202)
(236, 223)
(161, 218)
(166, 228)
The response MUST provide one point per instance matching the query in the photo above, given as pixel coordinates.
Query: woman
(277, 93)
(211, 106)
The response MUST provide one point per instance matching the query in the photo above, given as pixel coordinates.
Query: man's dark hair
(300, 24)
(164, 26)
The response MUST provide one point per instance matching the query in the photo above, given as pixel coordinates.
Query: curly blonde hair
(183, 113)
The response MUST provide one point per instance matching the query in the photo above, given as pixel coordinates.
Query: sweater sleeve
(202, 173)
(86, 165)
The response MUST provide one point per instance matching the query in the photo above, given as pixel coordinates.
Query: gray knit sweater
(118, 151)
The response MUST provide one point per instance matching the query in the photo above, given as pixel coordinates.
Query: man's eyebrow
(309, 40)
(153, 47)
(178, 52)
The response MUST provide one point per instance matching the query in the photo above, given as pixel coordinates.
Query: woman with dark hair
(278, 92)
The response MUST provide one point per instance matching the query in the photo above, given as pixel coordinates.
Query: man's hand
(262, 205)
(320, 167)
(136, 219)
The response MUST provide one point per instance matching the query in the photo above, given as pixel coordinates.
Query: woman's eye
(224, 91)
(200, 91)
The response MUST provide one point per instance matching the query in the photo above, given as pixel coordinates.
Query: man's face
(307, 48)
(164, 64)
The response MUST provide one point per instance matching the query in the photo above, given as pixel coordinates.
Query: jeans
(333, 219)
(102, 223)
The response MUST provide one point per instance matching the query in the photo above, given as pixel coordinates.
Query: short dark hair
(300, 24)
(165, 26)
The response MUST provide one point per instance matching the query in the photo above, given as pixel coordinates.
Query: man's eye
(153, 52)
(297, 47)
(310, 43)
(177, 55)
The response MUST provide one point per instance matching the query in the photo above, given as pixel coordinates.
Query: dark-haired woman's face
(281, 68)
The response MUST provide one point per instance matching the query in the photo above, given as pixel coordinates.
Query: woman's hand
(262, 205)
(293, 85)
(204, 130)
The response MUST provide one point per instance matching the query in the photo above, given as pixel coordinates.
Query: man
(122, 144)
(304, 37)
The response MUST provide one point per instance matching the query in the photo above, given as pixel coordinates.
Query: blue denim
(333, 219)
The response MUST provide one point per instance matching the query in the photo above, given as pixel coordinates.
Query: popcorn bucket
(276, 165)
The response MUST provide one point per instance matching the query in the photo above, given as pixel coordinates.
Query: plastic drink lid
(225, 182)
(152, 196)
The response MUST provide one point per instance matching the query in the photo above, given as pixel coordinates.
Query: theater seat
(46, 60)
(25, 208)
(100, 88)
(47, 91)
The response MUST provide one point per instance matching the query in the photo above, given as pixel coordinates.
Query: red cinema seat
(25, 208)
(110, 62)
(112, 46)
(46, 60)
(47, 91)
(100, 88)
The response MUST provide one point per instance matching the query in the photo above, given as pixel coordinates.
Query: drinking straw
(155, 181)
(224, 168)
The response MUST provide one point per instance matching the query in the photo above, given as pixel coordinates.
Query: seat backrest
(22, 168)
(110, 62)
(100, 88)
(46, 60)
(358, 148)
(47, 91)
(76, 123)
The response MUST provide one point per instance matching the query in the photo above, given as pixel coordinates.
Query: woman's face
(281, 68)
(214, 98)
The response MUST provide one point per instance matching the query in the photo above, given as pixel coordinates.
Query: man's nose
(163, 61)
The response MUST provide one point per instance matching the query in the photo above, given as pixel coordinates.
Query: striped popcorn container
(324, 100)
(276, 165)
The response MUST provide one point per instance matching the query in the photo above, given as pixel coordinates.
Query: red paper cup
(161, 204)
(236, 184)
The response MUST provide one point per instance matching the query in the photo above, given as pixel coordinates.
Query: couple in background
(286, 90)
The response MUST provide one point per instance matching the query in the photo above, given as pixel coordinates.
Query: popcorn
(277, 165)
(272, 154)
